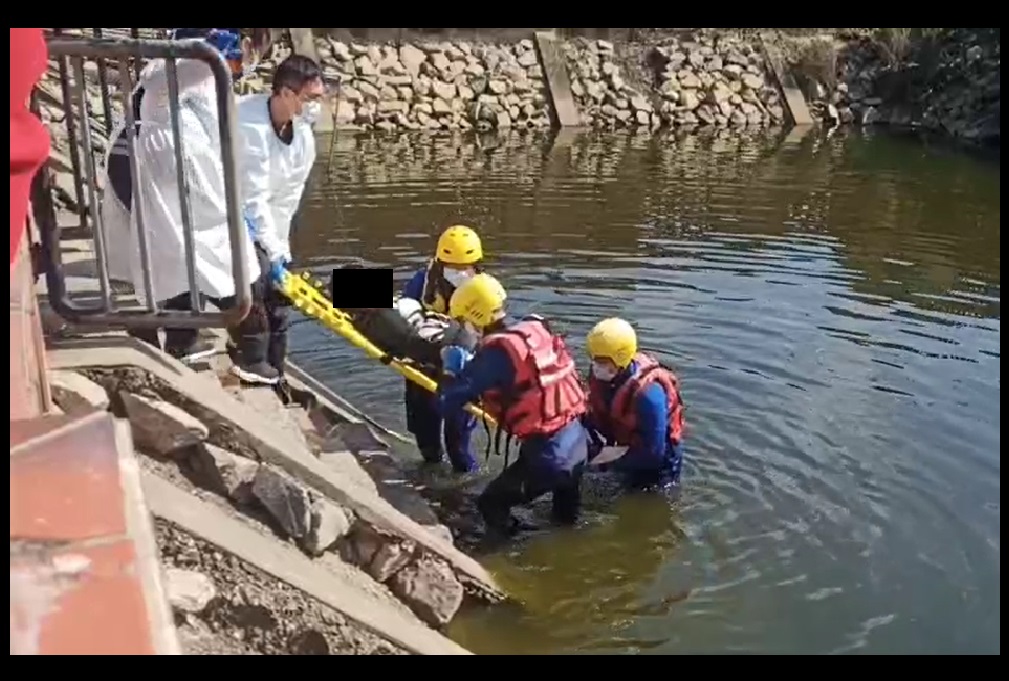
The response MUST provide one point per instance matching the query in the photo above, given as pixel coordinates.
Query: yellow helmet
(459, 245)
(479, 301)
(613, 339)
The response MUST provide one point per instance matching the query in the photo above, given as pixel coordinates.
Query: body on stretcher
(312, 302)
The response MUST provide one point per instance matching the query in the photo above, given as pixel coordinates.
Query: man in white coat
(278, 151)
(159, 196)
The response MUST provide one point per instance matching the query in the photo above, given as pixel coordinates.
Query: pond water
(832, 308)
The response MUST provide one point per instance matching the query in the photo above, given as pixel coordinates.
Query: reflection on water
(833, 309)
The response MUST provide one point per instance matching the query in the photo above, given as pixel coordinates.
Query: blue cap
(227, 41)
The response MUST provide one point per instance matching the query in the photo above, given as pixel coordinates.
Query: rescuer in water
(634, 402)
(457, 259)
(528, 381)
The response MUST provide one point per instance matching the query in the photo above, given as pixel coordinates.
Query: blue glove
(453, 359)
(226, 42)
(277, 269)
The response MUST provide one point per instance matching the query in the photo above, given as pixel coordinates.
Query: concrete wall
(28, 389)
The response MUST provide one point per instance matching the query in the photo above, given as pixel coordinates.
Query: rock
(845, 115)
(752, 81)
(391, 556)
(340, 51)
(689, 100)
(528, 59)
(368, 90)
(639, 103)
(688, 80)
(76, 394)
(733, 71)
(604, 45)
(344, 113)
(221, 471)
(329, 523)
(286, 500)
(387, 92)
(412, 58)
(440, 106)
(497, 87)
(431, 590)
(440, 62)
(160, 427)
(643, 117)
(388, 106)
(365, 66)
(188, 591)
(444, 90)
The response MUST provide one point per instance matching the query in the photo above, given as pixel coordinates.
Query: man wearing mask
(458, 256)
(278, 151)
(634, 402)
(527, 380)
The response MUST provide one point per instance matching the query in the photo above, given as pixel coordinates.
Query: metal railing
(127, 54)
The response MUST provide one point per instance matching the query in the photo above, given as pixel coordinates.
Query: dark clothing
(535, 474)
(521, 484)
(179, 341)
(386, 328)
(425, 422)
(262, 335)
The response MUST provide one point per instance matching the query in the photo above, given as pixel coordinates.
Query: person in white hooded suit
(159, 197)
(278, 152)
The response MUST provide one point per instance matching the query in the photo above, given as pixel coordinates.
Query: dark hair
(295, 72)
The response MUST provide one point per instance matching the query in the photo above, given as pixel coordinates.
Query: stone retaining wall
(437, 85)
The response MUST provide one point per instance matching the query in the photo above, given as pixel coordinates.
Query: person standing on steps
(277, 157)
(529, 384)
(634, 402)
(159, 201)
(458, 257)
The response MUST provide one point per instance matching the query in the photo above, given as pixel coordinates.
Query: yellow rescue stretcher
(312, 302)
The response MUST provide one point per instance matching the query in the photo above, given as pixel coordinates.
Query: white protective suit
(159, 193)
(273, 174)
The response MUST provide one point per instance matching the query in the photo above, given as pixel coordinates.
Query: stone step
(206, 522)
(132, 367)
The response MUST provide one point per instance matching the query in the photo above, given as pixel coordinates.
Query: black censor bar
(354, 286)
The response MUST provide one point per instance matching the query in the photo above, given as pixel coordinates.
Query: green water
(832, 306)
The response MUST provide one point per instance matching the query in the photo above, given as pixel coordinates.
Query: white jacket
(273, 173)
(159, 193)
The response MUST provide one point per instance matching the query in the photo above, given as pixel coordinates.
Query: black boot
(252, 366)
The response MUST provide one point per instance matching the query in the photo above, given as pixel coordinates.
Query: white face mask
(310, 112)
(458, 277)
(604, 372)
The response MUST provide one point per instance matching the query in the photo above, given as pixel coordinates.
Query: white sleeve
(255, 172)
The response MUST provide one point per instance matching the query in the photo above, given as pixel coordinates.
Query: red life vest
(620, 418)
(547, 393)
